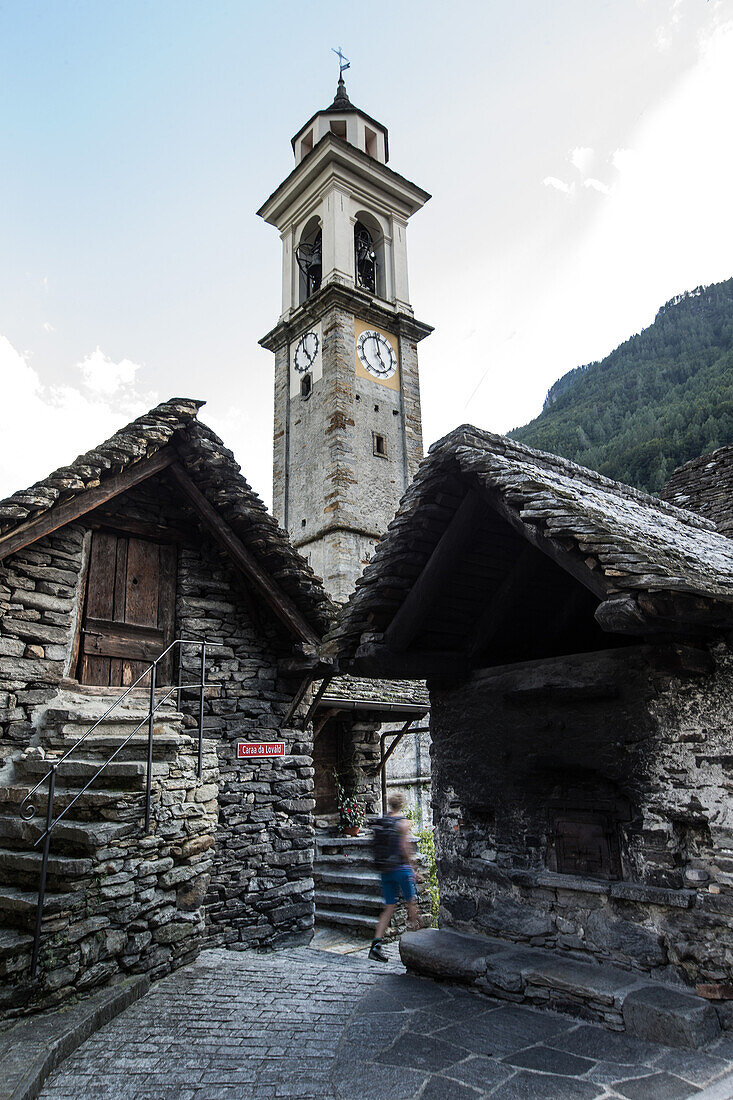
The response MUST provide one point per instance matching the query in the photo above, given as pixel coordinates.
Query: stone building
(705, 485)
(151, 537)
(575, 637)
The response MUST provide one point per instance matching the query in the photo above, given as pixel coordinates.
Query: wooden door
(129, 610)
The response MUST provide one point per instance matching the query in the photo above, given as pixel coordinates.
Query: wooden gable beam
(61, 514)
(280, 603)
(570, 561)
(414, 610)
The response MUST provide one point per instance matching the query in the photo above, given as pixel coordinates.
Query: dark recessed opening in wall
(302, 523)
(395, 412)
(376, 408)
(379, 445)
(356, 397)
(306, 385)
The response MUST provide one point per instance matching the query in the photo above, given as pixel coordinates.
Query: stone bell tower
(348, 431)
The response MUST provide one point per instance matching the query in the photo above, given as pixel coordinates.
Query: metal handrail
(28, 811)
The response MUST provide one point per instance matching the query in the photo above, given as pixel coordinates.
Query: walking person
(394, 858)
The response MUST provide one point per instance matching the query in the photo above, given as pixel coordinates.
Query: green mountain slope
(661, 398)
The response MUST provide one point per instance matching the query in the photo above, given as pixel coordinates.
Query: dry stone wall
(631, 727)
(261, 891)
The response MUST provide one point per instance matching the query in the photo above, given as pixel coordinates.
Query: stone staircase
(110, 811)
(348, 893)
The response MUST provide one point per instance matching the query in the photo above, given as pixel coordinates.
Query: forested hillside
(661, 398)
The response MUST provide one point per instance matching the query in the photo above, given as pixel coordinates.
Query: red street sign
(248, 749)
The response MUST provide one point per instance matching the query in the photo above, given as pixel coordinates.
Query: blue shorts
(398, 883)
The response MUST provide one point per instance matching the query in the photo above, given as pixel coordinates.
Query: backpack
(386, 847)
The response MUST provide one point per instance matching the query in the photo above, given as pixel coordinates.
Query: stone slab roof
(633, 544)
(213, 469)
(380, 693)
(705, 486)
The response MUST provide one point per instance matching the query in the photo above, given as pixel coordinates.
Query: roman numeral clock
(348, 431)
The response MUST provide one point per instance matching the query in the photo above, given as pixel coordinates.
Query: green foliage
(660, 399)
(426, 844)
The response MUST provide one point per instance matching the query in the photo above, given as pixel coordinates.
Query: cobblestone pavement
(304, 1023)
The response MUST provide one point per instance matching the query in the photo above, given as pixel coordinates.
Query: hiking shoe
(377, 952)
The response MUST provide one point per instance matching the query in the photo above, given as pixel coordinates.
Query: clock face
(376, 354)
(306, 352)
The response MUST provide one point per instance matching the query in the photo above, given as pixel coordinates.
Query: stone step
(91, 710)
(79, 770)
(339, 861)
(364, 881)
(69, 836)
(356, 922)
(105, 739)
(89, 805)
(343, 844)
(13, 943)
(352, 902)
(23, 868)
(15, 951)
(18, 907)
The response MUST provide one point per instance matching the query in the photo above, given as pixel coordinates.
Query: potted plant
(351, 810)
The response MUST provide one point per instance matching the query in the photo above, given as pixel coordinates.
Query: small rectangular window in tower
(338, 127)
(379, 445)
(370, 141)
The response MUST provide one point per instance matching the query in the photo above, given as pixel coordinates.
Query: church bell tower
(348, 431)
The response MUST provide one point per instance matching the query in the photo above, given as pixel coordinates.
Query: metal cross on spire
(344, 62)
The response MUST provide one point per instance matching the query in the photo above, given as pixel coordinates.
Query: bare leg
(413, 917)
(384, 919)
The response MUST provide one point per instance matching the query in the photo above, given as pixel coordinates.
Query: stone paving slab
(305, 1024)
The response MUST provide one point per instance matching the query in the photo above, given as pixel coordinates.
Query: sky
(578, 153)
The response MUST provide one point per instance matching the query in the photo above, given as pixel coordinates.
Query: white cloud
(582, 158)
(597, 185)
(104, 377)
(559, 185)
(48, 327)
(50, 425)
(622, 159)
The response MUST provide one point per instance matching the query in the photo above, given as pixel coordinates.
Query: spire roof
(341, 101)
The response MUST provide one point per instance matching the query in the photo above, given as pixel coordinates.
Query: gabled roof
(490, 531)
(705, 485)
(171, 437)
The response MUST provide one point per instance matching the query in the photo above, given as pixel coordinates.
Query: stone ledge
(31, 1049)
(620, 999)
(670, 1016)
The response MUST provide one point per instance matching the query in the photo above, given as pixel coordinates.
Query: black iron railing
(28, 810)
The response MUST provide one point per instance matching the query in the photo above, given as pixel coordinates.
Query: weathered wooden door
(129, 609)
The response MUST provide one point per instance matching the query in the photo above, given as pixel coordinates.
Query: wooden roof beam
(278, 600)
(86, 501)
(416, 607)
(570, 561)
